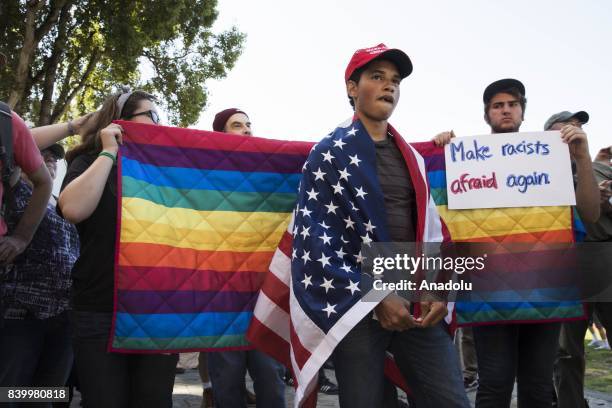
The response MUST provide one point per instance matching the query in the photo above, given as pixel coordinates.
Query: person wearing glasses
(89, 200)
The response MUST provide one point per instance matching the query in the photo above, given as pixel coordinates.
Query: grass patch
(598, 374)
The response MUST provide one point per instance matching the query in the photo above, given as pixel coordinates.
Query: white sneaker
(596, 343)
(604, 346)
(593, 343)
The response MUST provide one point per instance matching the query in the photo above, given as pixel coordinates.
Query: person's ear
(351, 90)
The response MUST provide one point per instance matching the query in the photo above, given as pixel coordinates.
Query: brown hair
(90, 142)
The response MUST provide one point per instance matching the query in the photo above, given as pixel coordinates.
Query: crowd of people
(57, 274)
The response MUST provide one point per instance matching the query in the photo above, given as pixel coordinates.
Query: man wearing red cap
(363, 184)
(227, 369)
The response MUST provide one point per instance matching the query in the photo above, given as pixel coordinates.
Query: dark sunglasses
(150, 113)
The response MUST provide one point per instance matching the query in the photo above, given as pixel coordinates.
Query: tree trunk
(51, 66)
(32, 37)
(26, 54)
(61, 105)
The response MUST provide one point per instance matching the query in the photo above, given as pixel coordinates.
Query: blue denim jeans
(525, 352)
(426, 358)
(35, 353)
(227, 370)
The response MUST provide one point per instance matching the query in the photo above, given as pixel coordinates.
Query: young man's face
(238, 124)
(377, 92)
(505, 113)
(50, 162)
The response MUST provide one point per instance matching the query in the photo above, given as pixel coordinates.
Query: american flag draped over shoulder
(311, 298)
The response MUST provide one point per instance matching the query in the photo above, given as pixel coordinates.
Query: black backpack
(6, 154)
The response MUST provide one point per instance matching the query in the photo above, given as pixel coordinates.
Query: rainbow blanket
(201, 214)
(538, 227)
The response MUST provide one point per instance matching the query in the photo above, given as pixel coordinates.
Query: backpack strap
(6, 152)
(6, 157)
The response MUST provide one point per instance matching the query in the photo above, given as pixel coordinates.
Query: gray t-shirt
(399, 195)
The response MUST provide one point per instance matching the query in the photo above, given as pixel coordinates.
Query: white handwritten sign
(509, 170)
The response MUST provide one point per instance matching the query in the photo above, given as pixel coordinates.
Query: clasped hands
(393, 313)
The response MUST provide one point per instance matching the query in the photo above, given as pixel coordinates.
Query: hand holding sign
(576, 138)
(443, 138)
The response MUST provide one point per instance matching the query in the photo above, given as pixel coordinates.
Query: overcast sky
(290, 77)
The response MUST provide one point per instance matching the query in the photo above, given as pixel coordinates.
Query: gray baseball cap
(564, 116)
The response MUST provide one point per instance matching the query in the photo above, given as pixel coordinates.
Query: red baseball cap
(363, 56)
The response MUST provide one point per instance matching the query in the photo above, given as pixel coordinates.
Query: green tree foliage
(67, 55)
